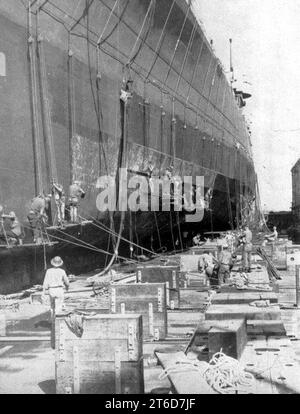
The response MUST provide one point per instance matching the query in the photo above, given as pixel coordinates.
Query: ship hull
(184, 116)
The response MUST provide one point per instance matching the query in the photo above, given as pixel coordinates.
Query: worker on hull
(55, 281)
(273, 236)
(14, 232)
(37, 216)
(60, 202)
(76, 193)
(197, 240)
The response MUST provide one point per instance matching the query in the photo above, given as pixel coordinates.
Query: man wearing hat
(55, 281)
(76, 192)
(37, 216)
(15, 229)
(226, 264)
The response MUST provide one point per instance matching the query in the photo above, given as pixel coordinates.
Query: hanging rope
(102, 226)
(80, 243)
(46, 111)
(179, 230)
(132, 55)
(107, 22)
(161, 39)
(195, 71)
(176, 45)
(172, 234)
(230, 216)
(71, 106)
(157, 230)
(34, 105)
(191, 39)
(202, 92)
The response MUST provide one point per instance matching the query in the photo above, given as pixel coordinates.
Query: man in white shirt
(55, 281)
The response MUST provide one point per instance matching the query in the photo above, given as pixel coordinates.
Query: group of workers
(38, 214)
(11, 230)
(218, 270)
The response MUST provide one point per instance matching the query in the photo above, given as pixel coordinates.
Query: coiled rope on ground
(224, 374)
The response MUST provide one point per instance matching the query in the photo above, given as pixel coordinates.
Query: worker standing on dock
(246, 241)
(76, 193)
(55, 281)
(226, 264)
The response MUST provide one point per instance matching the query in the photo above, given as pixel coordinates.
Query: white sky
(266, 48)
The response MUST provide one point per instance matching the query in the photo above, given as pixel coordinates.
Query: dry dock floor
(27, 361)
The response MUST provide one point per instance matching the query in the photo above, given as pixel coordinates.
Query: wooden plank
(5, 349)
(186, 381)
(24, 339)
(221, 312)
(243, 297)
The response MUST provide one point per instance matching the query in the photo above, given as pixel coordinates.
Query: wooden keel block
(162, 274)
(230, 336)
(221, 312)
(243, 297)
(106, 359)
(146, 299)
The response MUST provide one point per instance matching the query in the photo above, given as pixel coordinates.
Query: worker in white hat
(55, 281)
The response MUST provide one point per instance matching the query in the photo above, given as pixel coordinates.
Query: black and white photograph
(149, 199)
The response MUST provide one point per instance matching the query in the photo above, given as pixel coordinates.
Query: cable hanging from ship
(34, 104)
(134, 54)
(176, 45)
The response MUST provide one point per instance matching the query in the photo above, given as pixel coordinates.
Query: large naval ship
(66, 71)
